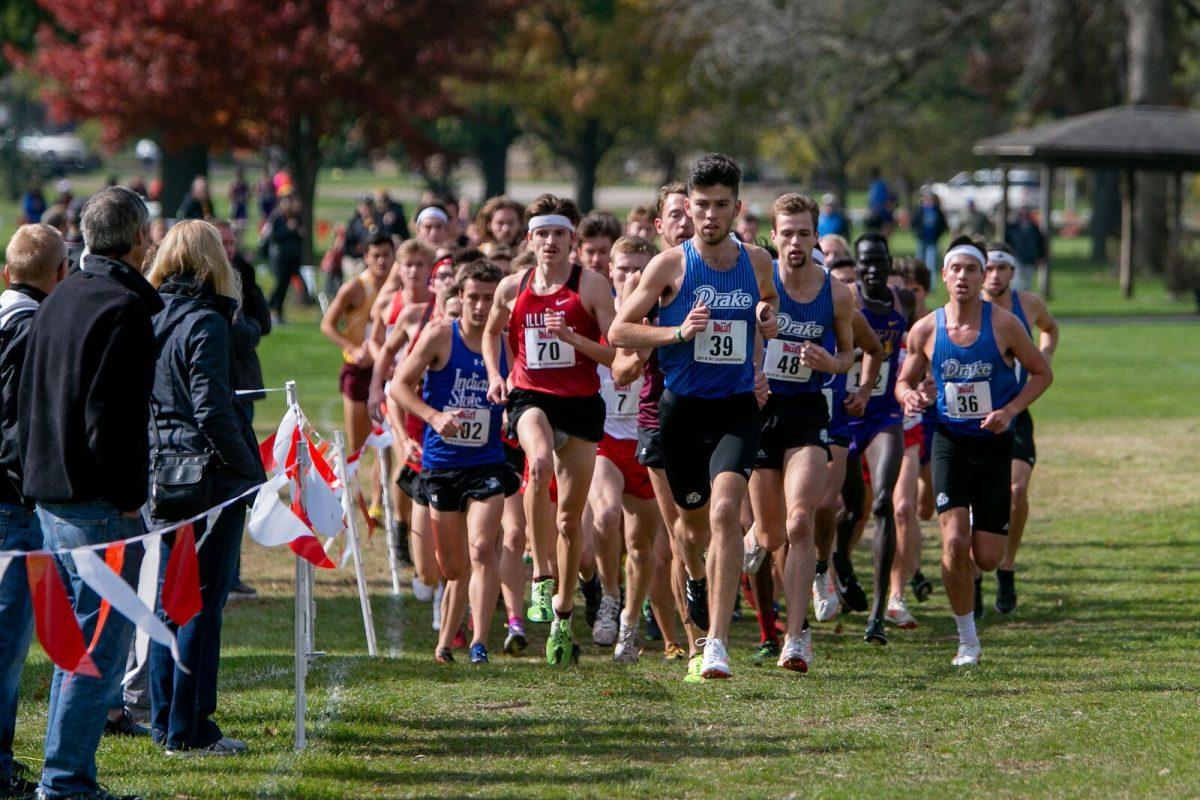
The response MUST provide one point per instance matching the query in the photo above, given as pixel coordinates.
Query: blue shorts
(863, 430)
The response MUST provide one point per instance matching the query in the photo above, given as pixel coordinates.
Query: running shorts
(451, 489)
(581, 417)
(623, 455)
(915, 436)
(650, 448)
(1023, 447)
(974, 472)
(355, 382)
(791, 421)
(410, 483)
(703, 437)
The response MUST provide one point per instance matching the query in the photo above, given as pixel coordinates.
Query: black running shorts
(410, 483)
(703, 437)
(451, 489)
(1022, 432)
(791, 421)
(581, 417)
(649, 452)
(974, 472)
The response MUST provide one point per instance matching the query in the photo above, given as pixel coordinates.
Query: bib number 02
(474, 426)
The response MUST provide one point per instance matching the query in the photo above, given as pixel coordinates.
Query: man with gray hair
(83, 413)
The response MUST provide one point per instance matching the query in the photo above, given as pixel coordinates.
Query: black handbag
(182, 483)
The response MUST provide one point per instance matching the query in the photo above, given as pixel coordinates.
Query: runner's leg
(804, 476)
(484, 532)
(884, 454)
(574, 464)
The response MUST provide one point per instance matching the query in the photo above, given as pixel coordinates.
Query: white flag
(322, 505)
(272, 523)
(283, 437)
(4, 562)
(148, 593)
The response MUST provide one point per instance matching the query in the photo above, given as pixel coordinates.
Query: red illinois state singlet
(541, 361)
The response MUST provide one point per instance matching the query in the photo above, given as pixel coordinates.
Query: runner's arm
(767, 311)
(598, 301)
(1011, 336)
(432, 348)
(629, 328)
(912, 374)
(1044, 321)
(385, 359)
(342, 303)
(378, 333)
(872, 361)
(493, 332)
(817, 357)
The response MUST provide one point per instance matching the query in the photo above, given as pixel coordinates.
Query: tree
(225, 73)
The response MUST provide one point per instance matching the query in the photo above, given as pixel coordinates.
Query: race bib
(474, 426)
(854, 379)
(968, 400)
(621, 402)
(783, 362)
(722, 342)
(544, 350)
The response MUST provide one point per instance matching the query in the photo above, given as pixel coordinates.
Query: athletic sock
(563, 614)
(1005, 577)
(966, 628)
(766, 624)
(821, 567)
(541, 578)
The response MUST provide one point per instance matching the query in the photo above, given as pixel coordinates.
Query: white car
(59, 152)
(983, 186)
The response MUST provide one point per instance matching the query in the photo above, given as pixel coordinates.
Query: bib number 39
(971, 400)
(544, 350)
(722, 342)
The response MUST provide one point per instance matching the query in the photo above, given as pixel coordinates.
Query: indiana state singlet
(541, 361)
(719, 361)
(461, 386)
(798, 323)
(972, 381)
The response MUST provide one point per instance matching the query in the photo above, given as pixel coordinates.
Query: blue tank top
(835, 395)
(971, 381)
(462, 383)
(798, 323)
(1019, 310)
(882, 406)
(718, 362)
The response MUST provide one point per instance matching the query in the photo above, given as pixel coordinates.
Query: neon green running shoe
(560, 644)
(693, 672)
(540, 595)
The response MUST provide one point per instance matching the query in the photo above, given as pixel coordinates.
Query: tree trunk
(1151, 61)
(304, 161)
(586, 162)
(668, 162)
(179, 168)
(493, 162)
(1106, 211)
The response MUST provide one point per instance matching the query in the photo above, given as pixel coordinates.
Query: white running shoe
(752, 552)
(794, 655)
(627, 649)
(899, 615)
(967, 655)
(422, 591)
(716, 661)
(825, 598)
(437, 605)
(604, 631)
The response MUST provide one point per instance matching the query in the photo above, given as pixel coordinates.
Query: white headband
(551, 221)
(435, 213)
(1004, 258)
(964, 250)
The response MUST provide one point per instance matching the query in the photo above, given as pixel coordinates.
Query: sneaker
(15, 784)
(695, 663)
(978, 610)
(922, 588)
(899, 615)
(242, 591)
(876, 634)
(697, 602)
(124, 725)
(607, 626)
(560, 644)
(851, 592)
(673, 652)
(967, 655)
(716, 660)
(444, 655)
(422, 591)
(767, 652)
(479, 653)
(1006, 591)
(403, 549)
(653, 631)
(460, 639)
(515, 642)
(825, 599)
(752, 552)
(375, 512)
(627, 649)
(592, 595)
(794, 656)
(224, 746)
(540, 595)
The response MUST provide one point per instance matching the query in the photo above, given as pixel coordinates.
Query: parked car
(57, 153)
(983, 186)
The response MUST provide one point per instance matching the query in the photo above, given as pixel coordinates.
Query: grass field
(1090, 690)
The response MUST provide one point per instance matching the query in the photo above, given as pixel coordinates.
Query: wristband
(679, 335)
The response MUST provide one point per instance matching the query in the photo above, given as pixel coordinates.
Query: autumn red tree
(290, 73)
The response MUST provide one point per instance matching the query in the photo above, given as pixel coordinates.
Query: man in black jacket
(36, 260)
(84, 412)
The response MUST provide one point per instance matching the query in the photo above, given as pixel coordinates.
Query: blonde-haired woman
(194, 412)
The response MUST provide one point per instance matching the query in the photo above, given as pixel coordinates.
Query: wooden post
(1002, 206)
(1127, 234)
(1046, 208)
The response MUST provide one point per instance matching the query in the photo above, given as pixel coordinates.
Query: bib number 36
(972, 400)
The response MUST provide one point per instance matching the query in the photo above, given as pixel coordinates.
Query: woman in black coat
(194, 412)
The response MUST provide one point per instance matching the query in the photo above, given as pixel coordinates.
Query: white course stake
(348, 510)
(383, 454)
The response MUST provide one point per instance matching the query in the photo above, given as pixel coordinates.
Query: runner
(499, 222)
(558, 315)
(433, 225)
(716, 296)
(815, 314)
(919, 281)
(597, 233)
(971, 347)
(463, 468)
(1032, 312)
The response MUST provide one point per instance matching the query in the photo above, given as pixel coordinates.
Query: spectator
(929, 225)
(283, 241)
(74, 235)
(33, 203)
(239, 200)
(832, 220)
(265, 189)
(975, 223)
(158, 230)
(83, 412)
(35, 261)
(138, 187)
(331, 262)
(65, 195)
(390, 215)
(880, 204)
(1024, 236)
(194, 412)
(359, 230)
(196, 204)
(56, 217)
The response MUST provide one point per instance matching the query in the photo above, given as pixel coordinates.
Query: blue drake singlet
(1019, 310)
(972, 381)
(719, 361)
(462, 384)
(798, 323)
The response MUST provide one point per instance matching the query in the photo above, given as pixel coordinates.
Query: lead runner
(716, 296)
